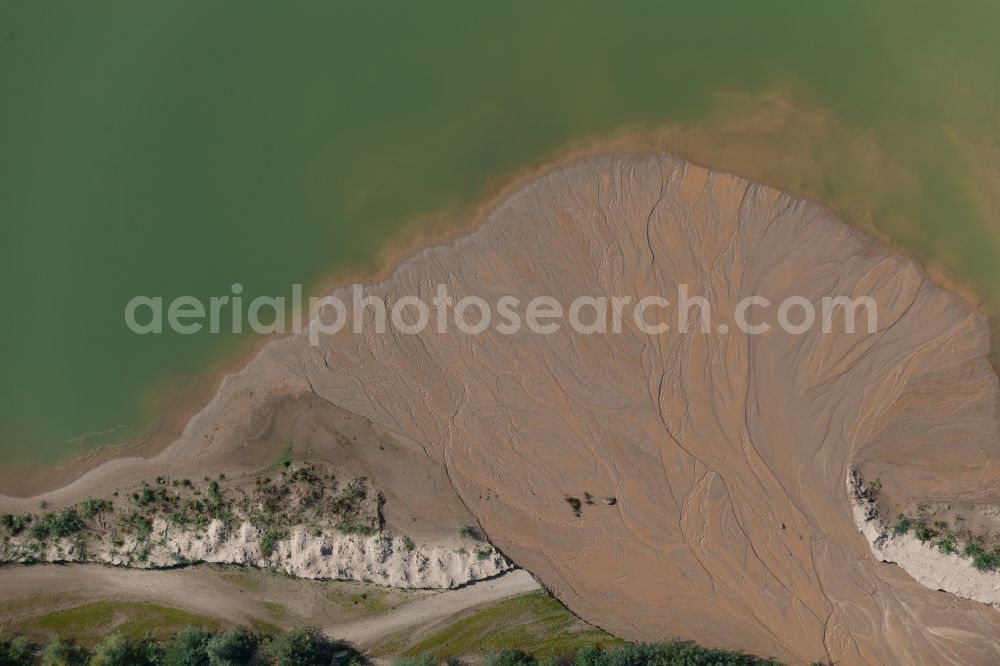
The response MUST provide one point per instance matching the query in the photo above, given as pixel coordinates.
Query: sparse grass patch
(278, 611)
(87, 624)
(533, 622)
(242, 580)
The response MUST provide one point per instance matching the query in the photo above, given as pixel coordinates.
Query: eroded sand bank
(727, 453)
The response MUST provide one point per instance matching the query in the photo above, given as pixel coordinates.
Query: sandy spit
(727, 453)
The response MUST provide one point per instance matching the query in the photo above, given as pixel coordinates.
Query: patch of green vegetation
(16, 651)
(946, 544)
(424, 659)
(15, 523)
(136, 524)
(902, 525)
(92, 507)
(533, 622)
(147, 495)
(59, 652)
(88, 623)
(264, 628)
(191, 646)
(284, 459)
(242, 580)
(986, 561)
(305, 647)
(278, 611)
(270, 540)
(369, 601)
(59, 525)
(669, 653)
(22, 606)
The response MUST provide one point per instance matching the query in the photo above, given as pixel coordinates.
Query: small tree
(508, 658)
(233, 647)
(119, 650)
(188, 648)
(58, 652)
(16, 652)
(298, 647)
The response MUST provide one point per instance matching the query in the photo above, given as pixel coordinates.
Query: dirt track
(205, 591)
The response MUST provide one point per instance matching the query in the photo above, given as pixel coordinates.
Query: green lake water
(170, 148)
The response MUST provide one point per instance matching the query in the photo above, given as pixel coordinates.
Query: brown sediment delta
(726, 453)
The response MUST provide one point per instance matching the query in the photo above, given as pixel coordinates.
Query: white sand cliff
(380, 559)
(949, 572)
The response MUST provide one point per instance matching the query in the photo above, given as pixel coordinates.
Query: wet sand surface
(726, 453)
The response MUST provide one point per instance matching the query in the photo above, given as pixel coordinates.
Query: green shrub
(508, 658)
(147, 495)
(269, 541)
(15, 523)
(187, 648)
(298, 647)
(233, 647)
(972, 549)
(66, 523)
(16, 652)
(136, 524)
(40, 530)
(60, 525)
(119, 650)
(671, 653)
(902, 525)
(986, 561)
(92, 507)
(924, 533)
(58, 652)
(946, 544)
